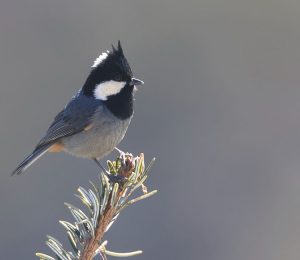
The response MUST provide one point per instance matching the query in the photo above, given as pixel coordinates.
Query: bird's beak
(136, 82)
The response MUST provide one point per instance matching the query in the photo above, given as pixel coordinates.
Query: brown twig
(104, 221)
(104, 203)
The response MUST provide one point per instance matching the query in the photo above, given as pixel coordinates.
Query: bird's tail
(36, 154)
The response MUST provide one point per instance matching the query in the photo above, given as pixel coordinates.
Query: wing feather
(60, 129)
(76, 116)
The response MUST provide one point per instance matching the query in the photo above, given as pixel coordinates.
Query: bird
(96, 119)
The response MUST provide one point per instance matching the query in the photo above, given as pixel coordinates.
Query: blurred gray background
(220, 110)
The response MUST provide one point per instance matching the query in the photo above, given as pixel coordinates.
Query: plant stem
(93, 244)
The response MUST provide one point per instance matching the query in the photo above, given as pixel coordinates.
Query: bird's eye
(118, 78)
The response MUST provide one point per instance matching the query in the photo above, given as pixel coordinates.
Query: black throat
(121, 104)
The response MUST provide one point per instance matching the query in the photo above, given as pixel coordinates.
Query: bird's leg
(111, 177)
(100, 165)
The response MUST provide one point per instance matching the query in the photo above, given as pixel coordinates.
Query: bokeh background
(220, 110)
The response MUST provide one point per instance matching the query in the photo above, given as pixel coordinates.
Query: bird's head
(111, 75)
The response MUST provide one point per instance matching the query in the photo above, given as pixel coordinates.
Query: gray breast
(104, 134)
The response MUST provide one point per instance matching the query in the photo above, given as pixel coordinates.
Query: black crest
(108, 66)
(111, 65)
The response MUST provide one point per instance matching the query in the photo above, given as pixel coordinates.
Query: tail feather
(29, 160)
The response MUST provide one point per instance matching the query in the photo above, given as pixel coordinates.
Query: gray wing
(76, 116)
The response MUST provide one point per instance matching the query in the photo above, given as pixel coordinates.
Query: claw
(116, 178)
(111, 177)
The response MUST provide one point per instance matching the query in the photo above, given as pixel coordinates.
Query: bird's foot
(111, 177)
(115, 178)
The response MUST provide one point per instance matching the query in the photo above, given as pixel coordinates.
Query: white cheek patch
(100, 59)
(108, 88)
